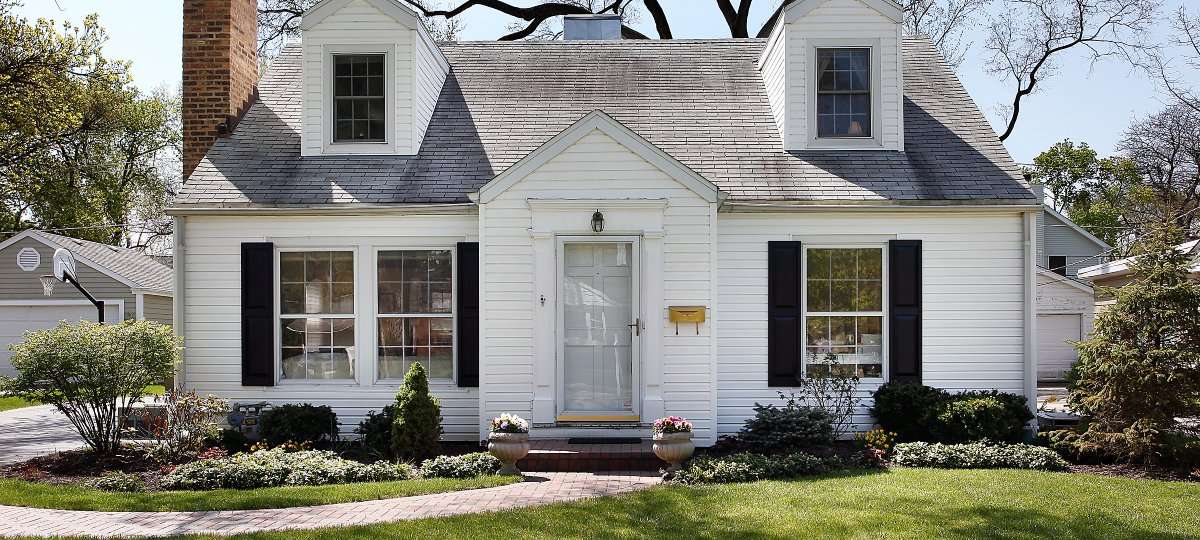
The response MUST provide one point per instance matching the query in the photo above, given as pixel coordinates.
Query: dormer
(372, 76)
(834, 75)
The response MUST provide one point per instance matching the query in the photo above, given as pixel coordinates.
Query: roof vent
(594, 27)
(28, 259)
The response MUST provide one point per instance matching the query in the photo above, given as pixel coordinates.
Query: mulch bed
(1140, 472)
(82, 466)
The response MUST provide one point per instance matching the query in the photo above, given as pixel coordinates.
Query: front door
(598, 330)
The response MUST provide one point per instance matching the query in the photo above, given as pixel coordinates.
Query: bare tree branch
(660, 19)
(944, 22)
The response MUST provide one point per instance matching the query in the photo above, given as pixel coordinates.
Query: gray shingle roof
(701, 101)
(141, 269)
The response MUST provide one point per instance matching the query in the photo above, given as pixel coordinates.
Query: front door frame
(634, 414)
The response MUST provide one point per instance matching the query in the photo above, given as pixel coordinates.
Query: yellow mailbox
(686, 314)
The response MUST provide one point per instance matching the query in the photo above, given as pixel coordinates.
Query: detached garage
(1066, 310)
(131, 284)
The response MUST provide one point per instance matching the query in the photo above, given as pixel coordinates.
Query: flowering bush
(978, 456)
(267, 468)
(672, 424)
(748, 467)
(464, 466)
(509, 423)
(119, 481)
(878, 439)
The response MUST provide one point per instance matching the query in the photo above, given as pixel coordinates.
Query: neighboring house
(1118, 273)
(1065, 303)
(531, 219)
(132, 286)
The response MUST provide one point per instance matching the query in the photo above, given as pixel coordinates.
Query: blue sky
(1082, 102)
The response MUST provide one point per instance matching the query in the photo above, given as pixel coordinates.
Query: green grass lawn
(8, 403)
(20, 493)
(903, 503)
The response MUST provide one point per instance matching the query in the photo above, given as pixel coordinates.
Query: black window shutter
(904, 352)
(785, 313)
(468, 314)
(258, 314)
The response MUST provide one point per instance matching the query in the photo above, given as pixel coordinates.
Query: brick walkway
(538, 489)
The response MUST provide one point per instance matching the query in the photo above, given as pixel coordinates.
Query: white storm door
(598, 329)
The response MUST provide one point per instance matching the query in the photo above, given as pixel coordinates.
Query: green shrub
(267, 468)
(119, 481)
(298, 423)
(418, 422)
(1127, 446)
(977, 456)
(749, 467)
(786, 428)
(375, 432)
(464, 466)
(979, 415)
(232, 440)
(907, 409)
(89, 371)
(922, 413)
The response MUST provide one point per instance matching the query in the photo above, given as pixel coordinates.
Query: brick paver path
(29, 432)
(538, 489)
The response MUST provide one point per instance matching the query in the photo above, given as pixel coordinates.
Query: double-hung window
(844, 93)
(416, 312)
(359, 106)
(844, 313)
(316, 315)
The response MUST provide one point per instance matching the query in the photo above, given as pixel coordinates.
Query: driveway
(33, 431)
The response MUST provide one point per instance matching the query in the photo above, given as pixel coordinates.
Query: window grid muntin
(316, 348)
(881, 314)
(359, 97)
(445, 318)
(850, 101)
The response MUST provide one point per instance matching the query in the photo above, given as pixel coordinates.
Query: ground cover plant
(977, 456)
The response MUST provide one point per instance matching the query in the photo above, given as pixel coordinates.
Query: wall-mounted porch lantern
(597, 222)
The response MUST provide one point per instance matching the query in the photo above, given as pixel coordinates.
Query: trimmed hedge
(269, 468)
(299, 423)
(977, 456)
(749, 467)
(921, 413)
(464, 466)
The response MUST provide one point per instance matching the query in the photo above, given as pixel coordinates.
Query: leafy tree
(90, 371)
(1140, 370)
(79, 144)
(1088, 189)
(418, 422)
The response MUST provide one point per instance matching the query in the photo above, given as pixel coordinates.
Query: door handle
(636, 326)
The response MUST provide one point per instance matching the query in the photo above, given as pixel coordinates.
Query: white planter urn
(674, 448)
(509, 448)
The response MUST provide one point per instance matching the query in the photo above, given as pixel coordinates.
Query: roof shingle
(701, 101)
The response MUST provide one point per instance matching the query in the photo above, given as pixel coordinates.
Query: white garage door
(16, 319)
(1055, 354)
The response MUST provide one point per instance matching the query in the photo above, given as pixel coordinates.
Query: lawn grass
(899, 504)
(38, 495)
(8, 403)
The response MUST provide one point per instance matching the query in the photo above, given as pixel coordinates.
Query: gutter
(917, 206)
(178, 315)
(1030, 316)
(339, 209)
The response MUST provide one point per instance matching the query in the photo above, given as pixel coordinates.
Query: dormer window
(359, 105)
(844, 93)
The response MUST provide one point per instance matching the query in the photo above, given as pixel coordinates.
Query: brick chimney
(220, 71)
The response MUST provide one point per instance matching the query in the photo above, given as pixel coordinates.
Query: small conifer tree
(1140, 369)
(418, 423)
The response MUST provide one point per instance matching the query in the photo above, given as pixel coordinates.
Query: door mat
(604, 440)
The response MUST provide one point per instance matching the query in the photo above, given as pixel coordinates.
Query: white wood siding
(431, 71)
(212, 307)
(596, 167)
(973, 299)
(157, 308)
(846, 20)
(359, 24)
(774, 74)
(1060, 238)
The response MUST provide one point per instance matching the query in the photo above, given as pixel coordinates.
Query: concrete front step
(559, 455)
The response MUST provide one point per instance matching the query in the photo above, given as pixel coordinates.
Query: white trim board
(887, 8)
(80, 302)
(598, 121)
(400, 12)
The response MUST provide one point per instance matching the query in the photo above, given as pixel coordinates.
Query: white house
(528, 218)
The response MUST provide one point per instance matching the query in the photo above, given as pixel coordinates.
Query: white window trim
(357, 363)
(376, 315)
(388, 145)
(875, 141)
(883, 313)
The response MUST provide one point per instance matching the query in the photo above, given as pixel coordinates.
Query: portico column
(545, 302)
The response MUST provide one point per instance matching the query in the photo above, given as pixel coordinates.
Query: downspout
(178, 315)
(1030, 244)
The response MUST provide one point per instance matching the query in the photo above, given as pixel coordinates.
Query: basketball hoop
(64, 264)
(48, 283)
